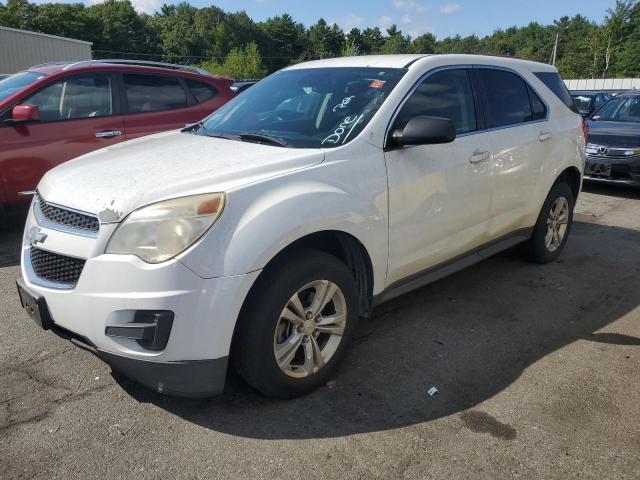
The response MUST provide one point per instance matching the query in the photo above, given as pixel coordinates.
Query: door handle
(108, 134)
(478, 157)
(544, 136)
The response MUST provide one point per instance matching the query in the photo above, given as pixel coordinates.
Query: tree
(396, 42)
(424, 43)
(286, 41)
(372, 40)
(324, 41)
(241, 64)
(355, 41)
(116, 28)
(183, 33)
(18, 14)
(629, 62)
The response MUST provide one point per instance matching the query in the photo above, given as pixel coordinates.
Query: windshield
(14, 83)
(583, 102)
(306, 108)
(620, 109)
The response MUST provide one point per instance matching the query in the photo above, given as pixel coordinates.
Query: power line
(182, 56)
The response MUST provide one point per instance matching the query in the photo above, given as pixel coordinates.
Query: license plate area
(597, 169)
(35, 306)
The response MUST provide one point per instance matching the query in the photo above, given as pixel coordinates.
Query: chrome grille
(56, 268)
(70, 218)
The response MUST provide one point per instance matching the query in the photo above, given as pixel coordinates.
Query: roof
(405, 61)
(376, 61)
(29, 32)
(111, 64)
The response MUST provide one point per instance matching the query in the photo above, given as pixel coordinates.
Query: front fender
(262, 219)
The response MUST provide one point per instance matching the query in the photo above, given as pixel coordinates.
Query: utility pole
(554, 54)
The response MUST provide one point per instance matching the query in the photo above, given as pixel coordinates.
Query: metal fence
(616, 84)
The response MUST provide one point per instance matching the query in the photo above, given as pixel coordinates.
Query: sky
(415, 17)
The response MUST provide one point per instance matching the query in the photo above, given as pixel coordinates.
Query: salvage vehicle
(260, 236)
(54, 112)
(613, 144)
(589, 101)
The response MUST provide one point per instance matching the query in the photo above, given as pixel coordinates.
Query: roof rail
(48, 63)
(146, 63)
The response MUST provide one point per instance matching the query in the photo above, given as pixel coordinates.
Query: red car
(54, 112)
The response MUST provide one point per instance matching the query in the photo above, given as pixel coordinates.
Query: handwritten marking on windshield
(347, 123)
(344, 103)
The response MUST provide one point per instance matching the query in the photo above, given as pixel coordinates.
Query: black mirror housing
(425, 130)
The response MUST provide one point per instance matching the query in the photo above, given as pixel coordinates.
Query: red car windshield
(15, 83)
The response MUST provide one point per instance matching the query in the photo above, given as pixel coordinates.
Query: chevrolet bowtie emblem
(36, 236)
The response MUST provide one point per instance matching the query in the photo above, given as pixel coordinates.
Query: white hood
(114, 181)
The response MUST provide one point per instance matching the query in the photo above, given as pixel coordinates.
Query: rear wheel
(297, 323)
(552, 229)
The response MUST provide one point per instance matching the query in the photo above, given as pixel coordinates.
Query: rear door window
(77, 97)
(201, 91)
(445, 94)
(506, 98)
(554, 83)
(153, 93)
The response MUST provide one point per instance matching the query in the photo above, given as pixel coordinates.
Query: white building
(20, 49)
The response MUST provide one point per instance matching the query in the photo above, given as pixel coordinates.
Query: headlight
(160, 231)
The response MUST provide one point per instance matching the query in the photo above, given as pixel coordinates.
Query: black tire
(253, 351)
(536, 249)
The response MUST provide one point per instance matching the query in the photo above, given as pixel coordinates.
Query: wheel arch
(573, 178)
(346, 248)
(340, 244)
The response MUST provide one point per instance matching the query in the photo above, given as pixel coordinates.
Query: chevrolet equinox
(259, 236)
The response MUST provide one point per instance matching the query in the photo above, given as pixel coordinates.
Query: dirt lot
(537, 367)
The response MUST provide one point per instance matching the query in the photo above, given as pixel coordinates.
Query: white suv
(262, 234)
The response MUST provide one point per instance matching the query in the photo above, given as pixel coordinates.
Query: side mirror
(424, 130)
(24, 113)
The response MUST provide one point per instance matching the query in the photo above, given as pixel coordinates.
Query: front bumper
(624, 171)
(112, 288)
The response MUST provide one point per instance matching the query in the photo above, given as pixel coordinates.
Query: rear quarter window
(554, 83)
(201, 91)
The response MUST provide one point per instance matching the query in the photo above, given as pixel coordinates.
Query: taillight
(585, 130)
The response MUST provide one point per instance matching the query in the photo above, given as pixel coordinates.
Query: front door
(438, 194)
(76, 116)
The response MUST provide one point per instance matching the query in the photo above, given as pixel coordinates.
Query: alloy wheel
(557, 224)
(310, 328)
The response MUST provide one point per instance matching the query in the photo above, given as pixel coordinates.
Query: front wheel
(298, 321)
(552, 229)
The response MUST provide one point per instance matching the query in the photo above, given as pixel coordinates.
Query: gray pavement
(537, 368)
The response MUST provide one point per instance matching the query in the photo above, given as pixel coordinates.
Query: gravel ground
(537, 368)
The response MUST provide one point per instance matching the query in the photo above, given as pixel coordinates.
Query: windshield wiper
(260, 138)
(200, 126)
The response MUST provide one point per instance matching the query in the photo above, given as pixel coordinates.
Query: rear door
(77, 114)
(521, 138)
(155, 103)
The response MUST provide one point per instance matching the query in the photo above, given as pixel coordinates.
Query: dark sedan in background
(589, 101)
(613, 145)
